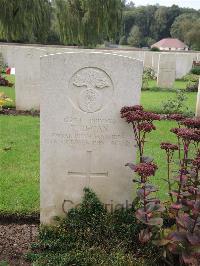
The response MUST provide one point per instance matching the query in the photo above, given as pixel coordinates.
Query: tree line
(91, 22)
(144, 25)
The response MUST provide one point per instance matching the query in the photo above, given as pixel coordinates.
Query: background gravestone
(27, 78)
(148, 59)
(1, 62)
(166, 70)
(155, 59)
(84, 142)
(183, 64)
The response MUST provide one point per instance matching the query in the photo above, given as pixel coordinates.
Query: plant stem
(168, 176)
(145, 209)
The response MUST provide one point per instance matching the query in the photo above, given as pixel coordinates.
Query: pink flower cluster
(192, 122)
(187, 134)
(136, 113)
(176, 117)
(146, 169)
(168, 146)
(146, 127)
(126, 109)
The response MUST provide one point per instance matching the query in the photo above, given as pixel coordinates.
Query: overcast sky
(182, 3)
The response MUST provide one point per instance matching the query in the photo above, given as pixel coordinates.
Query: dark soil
(9, 218)
(12, 111)
(15, 240)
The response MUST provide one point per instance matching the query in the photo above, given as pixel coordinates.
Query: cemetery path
(15, 241)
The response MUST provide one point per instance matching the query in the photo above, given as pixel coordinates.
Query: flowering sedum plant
(149, 207)
(180, 240)
(142, 123)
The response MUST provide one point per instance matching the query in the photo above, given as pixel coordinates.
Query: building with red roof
(170, 44)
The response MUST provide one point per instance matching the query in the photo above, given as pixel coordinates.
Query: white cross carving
(88, 173)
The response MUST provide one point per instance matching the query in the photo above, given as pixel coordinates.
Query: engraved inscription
(90, 131)
(90, 89)
(88, 173)
(90, 100)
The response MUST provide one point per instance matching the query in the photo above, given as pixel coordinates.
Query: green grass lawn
(19, 164)
(153, 100)
(178, 84)
(9, 91)
(19, 157)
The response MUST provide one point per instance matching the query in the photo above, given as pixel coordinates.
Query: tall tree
(187, 28)
(160, 23)
(135, 37)
(88, 22)
(25, 20)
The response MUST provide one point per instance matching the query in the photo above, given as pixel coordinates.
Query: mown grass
(19, 161)
(178, 84)
(19, 164)
(153, 100)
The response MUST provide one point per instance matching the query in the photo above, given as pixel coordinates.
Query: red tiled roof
(170, 43)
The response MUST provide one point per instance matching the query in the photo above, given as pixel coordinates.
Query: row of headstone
(26, 61)
(163, 64)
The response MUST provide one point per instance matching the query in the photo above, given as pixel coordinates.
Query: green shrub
(195, 70)
(148, 74)
(192, 86)
(155, 49)
(176, 105)
(191, 77)
(89, 235)
(123, 40)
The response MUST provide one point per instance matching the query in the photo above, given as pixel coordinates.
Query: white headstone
(84, 142)
(198, 102)
(183, 64)
(1, 61)
(148, 58)
(27, 80)
(166, 70)
(155, 59)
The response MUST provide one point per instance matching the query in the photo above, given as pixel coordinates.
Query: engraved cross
(88, 173)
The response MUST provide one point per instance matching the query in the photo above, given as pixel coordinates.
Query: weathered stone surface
(1, 61)
(183, 64)
(166, 70)
(155, 60)
(27, 79)
(148, 58)
(84, 142)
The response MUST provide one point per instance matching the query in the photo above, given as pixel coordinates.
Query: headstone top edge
(92, 53)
